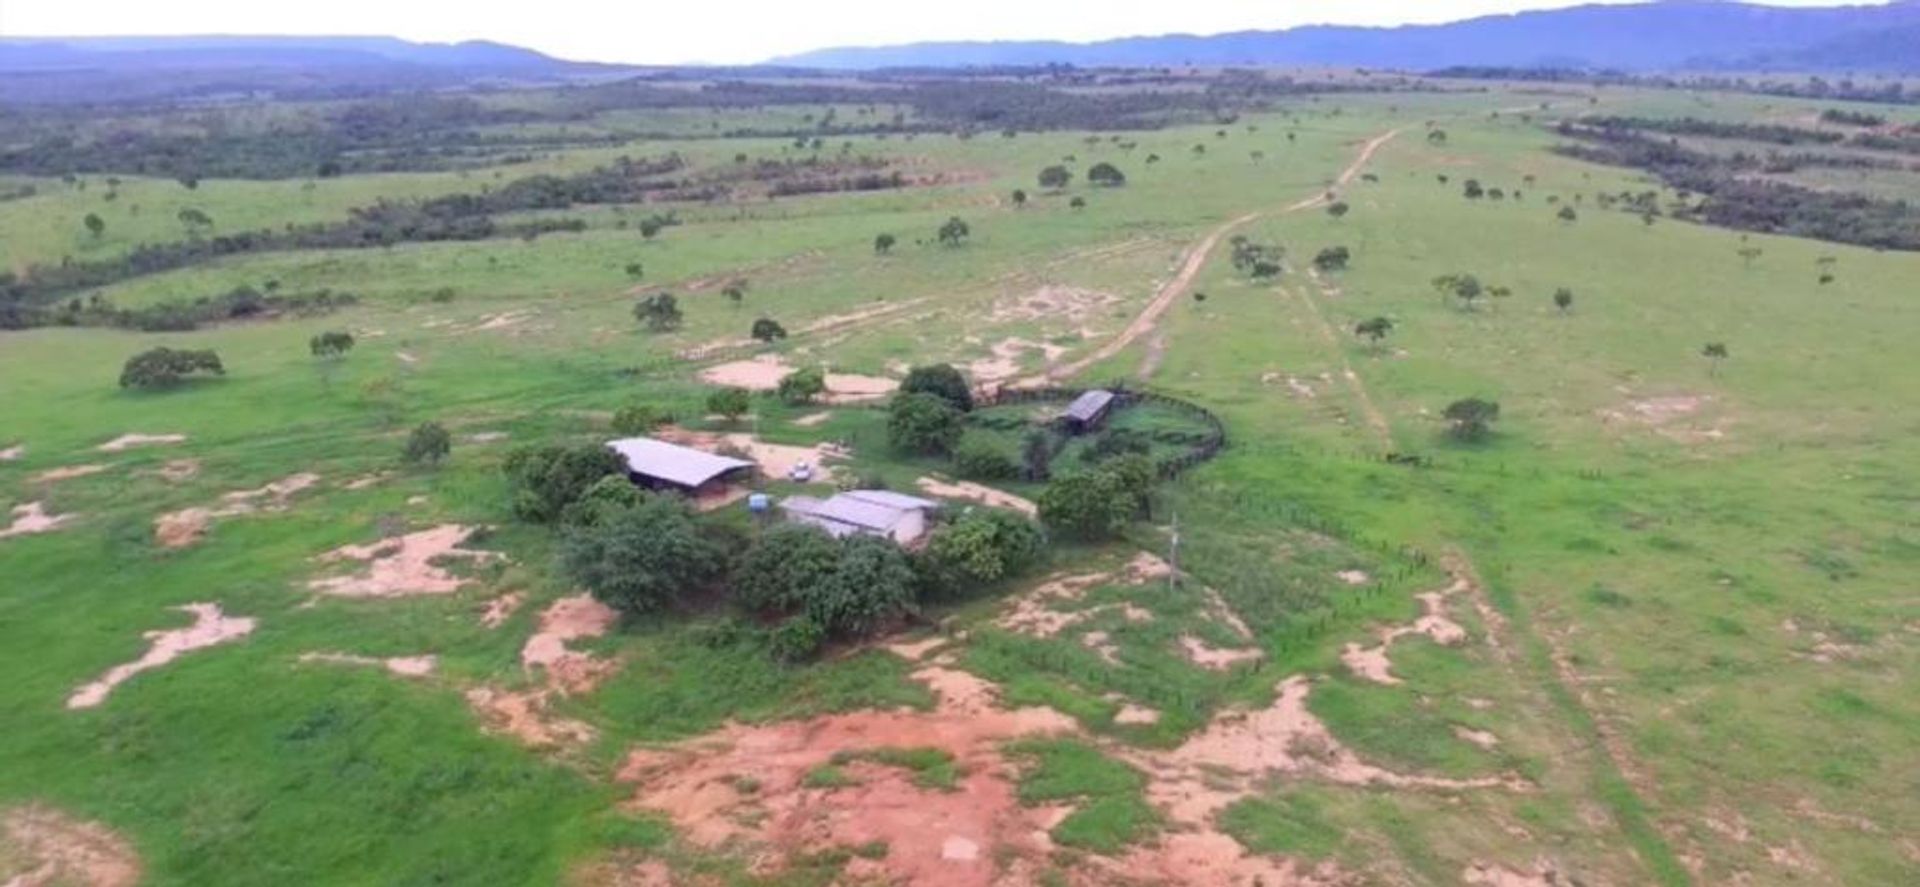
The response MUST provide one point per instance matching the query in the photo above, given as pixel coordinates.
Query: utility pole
(1173, 556)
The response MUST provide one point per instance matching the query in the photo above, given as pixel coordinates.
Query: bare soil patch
(45, 847)
(1207, 656)
(569, 618)
(33, 518)
(129, 441)
(775, 460)
(404, 666)
(1074, 305)
(1373, 664)
(179, 470)
(55, 475)
(13, 453)
(210, 627)
(523, 715)
(1036, 612)
(1004, 362)
(500, 609)
(402, 566)
(976, 493)
(765, 372)
(179, 529)
(1490, 874)
(812, 419)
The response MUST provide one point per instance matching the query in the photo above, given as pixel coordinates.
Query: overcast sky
(676, 31)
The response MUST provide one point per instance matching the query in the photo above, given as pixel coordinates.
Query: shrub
(1106, 175)
(783, 565)
(334, 343)
(640, 559)
(941, 380)
(1098, 503)
(606, 496)
(923, 423)
(1333, 258)
(871, 585)
(637, 419)
(732, 403)
(1471, 419)
(767, 329)
(428, 444)
(985, 546)
(802, 385)
(546, 480)
(166, 367)
(979, 458)
(796, 640)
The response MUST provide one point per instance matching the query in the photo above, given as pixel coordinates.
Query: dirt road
(1190, 265)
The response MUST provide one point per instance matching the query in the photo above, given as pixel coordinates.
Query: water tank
(758, 503)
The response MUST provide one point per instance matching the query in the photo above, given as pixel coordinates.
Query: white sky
(726, 31)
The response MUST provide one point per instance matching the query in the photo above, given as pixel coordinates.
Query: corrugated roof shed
(1088, 406)
(892, 499)
(673, 463)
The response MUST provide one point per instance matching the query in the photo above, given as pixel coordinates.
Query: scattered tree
(735, 291)
(1568, 214)
(659, 312)
(1098, 503)
(767, 329)
(159, 368)
(986, 546)
(1338, 209)
(1019, 198)
(429, 444)
(95, 225)
(545, 480)
(1714, 352)
(940, 380)
(1036, 456)
(802, 385)
(1748, 254)
(730, 402)
(883, 243)
(636, 419)
(331, 345)
(1333, 258)
(1055, 177)
(643, 558)
(1473, 190)
(978, 457)
(1106, 175)
(1077, 202)
(954, 231)
(1464, 287)
(1375, 329)
(636, 270)
(1471, 419)
(924, 423)
(1563, 299)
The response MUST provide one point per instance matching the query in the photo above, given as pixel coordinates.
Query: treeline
(240, 303)
(1732, 200)
(1901, 141)
(1891, 91)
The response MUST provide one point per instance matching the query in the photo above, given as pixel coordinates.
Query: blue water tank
(759, 502)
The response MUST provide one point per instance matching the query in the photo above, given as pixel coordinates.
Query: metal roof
(673, 463)
(1088, 406)
(877, 510)
(892, 499)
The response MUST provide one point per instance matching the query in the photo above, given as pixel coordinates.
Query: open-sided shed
(657, 465)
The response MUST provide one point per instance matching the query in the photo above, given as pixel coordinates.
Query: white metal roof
(892, 499)
(1089, 404)
(673, 463)
(877, 510)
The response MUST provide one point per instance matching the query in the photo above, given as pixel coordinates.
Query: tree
(1019, 198)
(782, 566)
(1055, 177)
(1563, 299)
(1036, 456)
(1748, 254)
(1464, 287)
(1714, 352)
(986, 546)
(637, 418)
(735, 291)
(332, 344)
(954, 231)
(979, 458)
(636, 270)
(923, 423)
(1471, 188)
(642, 558)
(1338, 209)
(1333, 258)
(802, 385)
(1568, 215)
(1437, 136)
(1471, 419)
(940, 380)
(427, 445)
(883, 243)
(731, 403)
(546, 479)
(871, 585)
(767, 329)
(1106, 175)
(159, 368)
(1077, 202)
(1091, 504)
(1375, 329)
(660, 312)
(194, 220)
(650, 227)
(95, 225)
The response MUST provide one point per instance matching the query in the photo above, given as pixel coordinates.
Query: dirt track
(1190, 265)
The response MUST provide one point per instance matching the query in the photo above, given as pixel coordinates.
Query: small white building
(889, 515)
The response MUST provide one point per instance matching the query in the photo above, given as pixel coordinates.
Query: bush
(796, 640)
(167, 367)
(1116, 442)
(608, 495)
(979, 458)
(940, 380)
(766, 329)
(334, 343)
(871, 586)
(986, 546)
(641, 559)
(546, 480)
(637, 419)
(1471, 419)
(731, 403)
(1333, 258)
(1106, 175)
(428, 444)
(1099, 503)
(923, 423)
(802, 385)
(783, 566)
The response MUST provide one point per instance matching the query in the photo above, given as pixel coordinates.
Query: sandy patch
(405, 357)
(1373, 663)
(500, 609)
(775, 460)
(55, 475)
(1353, 577)
(44, 847)
(1004, 363)
(765, 372)
(1134, 713)
(914, 651)
(1370, 663)
(129, 441)
(976, 493)
(523, 715)
(486, 437)
(404, 666)
(501, 321)
(811, 420)
(1480, 738)
(960, 837)
(210, 627)
(1488, 874)
(1207, 656)
(13, 453)
(830, 324)
(367, 481)
(569, 618)
(179, 470)
(1055, 303)
(33, 518)
(1036, 611)
(402, 566)
(179, 529)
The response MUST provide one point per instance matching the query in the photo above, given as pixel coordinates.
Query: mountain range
(1670, 35)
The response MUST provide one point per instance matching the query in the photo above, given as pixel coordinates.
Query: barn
(1088, 411)
(658, 465)
(880, 513)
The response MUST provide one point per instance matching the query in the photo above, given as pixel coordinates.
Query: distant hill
(1676, 34)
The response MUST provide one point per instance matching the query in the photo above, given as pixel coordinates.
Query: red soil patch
(775, 460)
(402, 566)
(1207, 656)
(1033, 613)
(500, 609)
(33, 518)
(569, 618)
(55, 475)
(404, 666)
(179, 529)
(977, 493)
(1489, 874)
(764, 374)
(1373, 664)
(44, 847)
(129, 441)
(523, 715)
(210, 627)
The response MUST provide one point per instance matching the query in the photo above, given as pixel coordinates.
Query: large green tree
(643, 558)
(940, 380)
(924, 423)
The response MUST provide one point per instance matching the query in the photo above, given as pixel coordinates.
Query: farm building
(658, 465)
(1088, 410)
(871, 512)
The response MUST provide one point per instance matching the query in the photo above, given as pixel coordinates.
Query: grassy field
(1687, 628)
